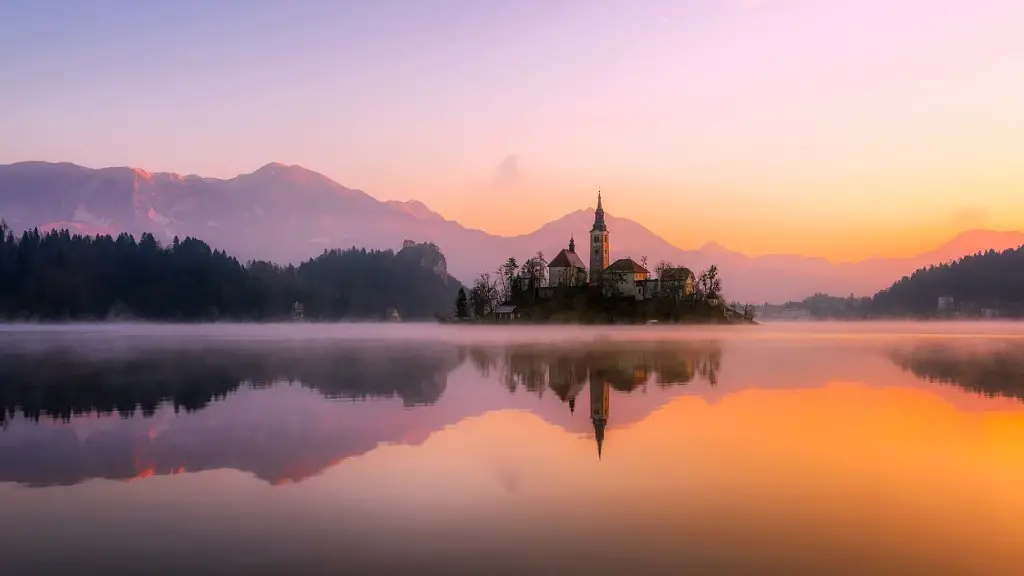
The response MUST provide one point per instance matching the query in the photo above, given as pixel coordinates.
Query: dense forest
(59, 275)
(988, 280)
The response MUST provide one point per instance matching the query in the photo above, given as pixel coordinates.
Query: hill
(287, 214)
(993, 280)
(58, 275)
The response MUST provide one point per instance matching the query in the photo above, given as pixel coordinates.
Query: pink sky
(835, 128)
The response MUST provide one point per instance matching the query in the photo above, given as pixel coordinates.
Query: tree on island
(534, 271)
(461, 304)
(483, 297)
(506, 278)
(661, 267)
(709, 286)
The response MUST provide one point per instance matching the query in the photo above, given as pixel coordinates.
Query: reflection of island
(267, 410)
(991, 370)
(624, 367)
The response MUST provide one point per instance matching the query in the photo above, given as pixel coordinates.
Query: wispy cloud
(970, 217)
(508, 172)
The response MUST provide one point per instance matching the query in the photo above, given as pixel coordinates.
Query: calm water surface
(401, 449)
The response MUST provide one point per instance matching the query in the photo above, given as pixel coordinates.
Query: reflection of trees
(64, 383)
(991, 371)
(626, 366)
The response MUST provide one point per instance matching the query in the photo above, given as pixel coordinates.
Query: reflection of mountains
(62, 384)
(991, 369)
(280, 432)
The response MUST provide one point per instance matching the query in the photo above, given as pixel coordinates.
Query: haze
(834, 129)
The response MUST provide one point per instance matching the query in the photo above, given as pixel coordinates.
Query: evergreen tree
(461, 304)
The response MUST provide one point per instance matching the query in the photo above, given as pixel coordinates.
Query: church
(624, 277)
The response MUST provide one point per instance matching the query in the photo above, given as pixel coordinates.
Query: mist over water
(396, 448)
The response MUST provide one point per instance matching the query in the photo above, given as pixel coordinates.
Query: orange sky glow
(837, 129)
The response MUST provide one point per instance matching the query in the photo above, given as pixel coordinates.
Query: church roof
(676, 273)
(566, 259)
(627, 265)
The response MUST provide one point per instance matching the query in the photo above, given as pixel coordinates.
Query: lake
(868, 448)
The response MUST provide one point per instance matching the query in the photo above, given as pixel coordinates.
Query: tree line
(58, 275)
(991, 279)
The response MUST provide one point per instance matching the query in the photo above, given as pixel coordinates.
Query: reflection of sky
(805, 455)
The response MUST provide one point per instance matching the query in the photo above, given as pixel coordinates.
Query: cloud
(970, 217)
(508, 172)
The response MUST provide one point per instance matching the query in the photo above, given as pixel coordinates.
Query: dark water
(398, 449)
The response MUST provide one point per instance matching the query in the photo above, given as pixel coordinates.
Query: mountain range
(289, 213)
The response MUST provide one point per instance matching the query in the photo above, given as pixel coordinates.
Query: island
(562, 291)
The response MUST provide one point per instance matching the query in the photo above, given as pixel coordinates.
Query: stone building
(567, 268)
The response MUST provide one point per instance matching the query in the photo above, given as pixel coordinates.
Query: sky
(819, 127)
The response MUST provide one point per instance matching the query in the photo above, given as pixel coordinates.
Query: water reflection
(992, 369)
(680, 455)
(67, 382)
(69, 416)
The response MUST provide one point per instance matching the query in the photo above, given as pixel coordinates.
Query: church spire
(572, 244)
(599, 224)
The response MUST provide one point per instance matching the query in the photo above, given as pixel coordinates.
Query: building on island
(946, 304)
(626, 277)
(623, 278)
(676, 281)
(600, 247)
(506, 312)
(567, 268)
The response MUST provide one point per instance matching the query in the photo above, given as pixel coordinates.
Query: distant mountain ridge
(288, 213)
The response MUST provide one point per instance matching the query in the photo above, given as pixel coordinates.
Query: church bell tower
(599, 246)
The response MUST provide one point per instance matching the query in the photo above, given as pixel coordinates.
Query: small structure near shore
(505, 313)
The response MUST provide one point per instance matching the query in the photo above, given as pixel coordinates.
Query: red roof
(627, 265)
(566, 259)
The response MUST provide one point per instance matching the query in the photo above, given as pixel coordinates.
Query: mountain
(289, 213)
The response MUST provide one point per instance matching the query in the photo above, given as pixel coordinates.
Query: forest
(62, 276)
(986, 280)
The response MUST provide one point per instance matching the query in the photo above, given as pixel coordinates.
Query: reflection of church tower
(599, 403)
(599, 246)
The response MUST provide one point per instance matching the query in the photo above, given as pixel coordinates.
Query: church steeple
(572, 244)
(599, 244)
(599, 225)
